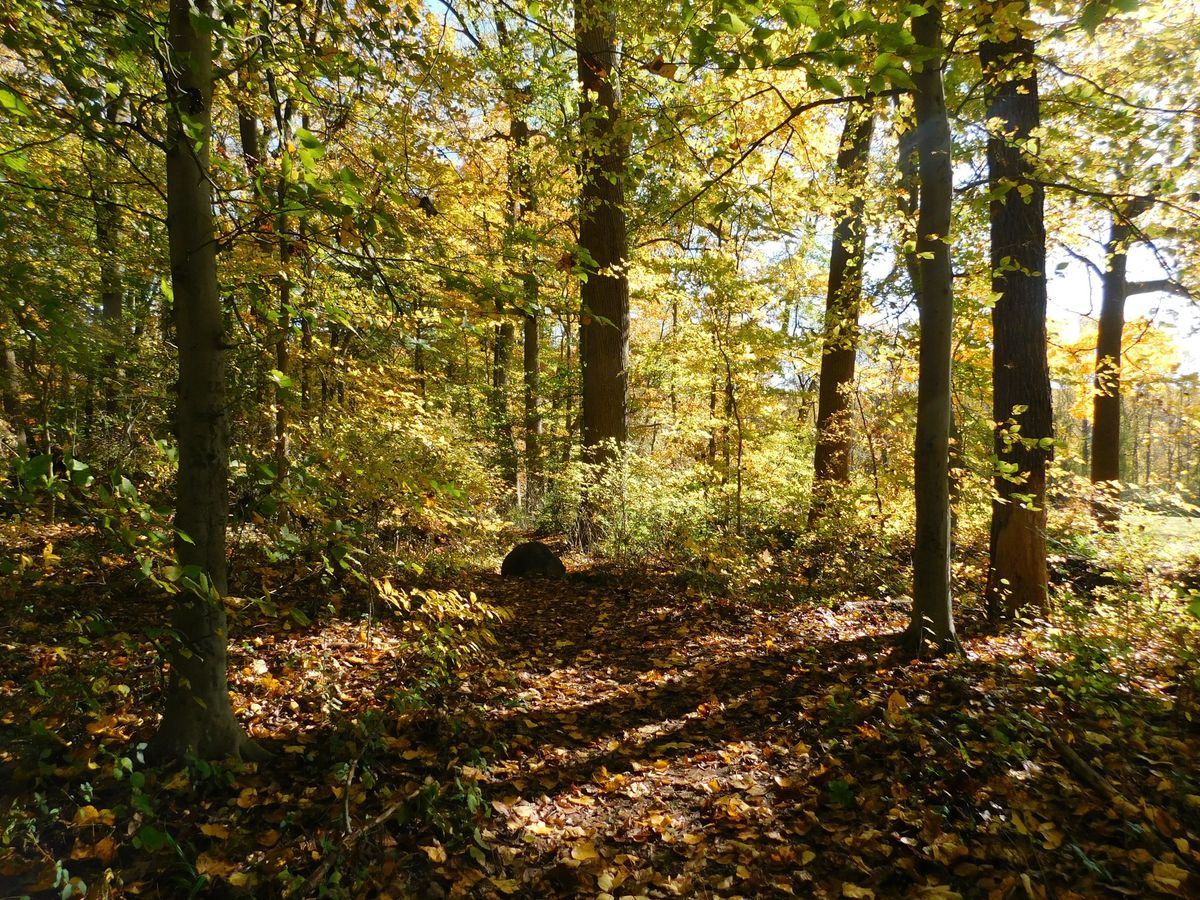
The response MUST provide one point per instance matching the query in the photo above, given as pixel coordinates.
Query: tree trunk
(567, 395)
(1106, 405)
(283, 327)
(523, 200)
(604, 331)
(932, 616)
(533, 417)
(198, 718)
(10, 391)
(1021, 402)
(506, 453)
(108, 232)
(831, 462)
(1149, 446)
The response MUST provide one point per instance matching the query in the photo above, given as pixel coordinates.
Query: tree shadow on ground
(630, 737)
(696, 746)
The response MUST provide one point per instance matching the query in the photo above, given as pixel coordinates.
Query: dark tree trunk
(604, 323)
(533, 417)
(567, 395)
(506, 454)
(198, 718)
(831, 462)
(248, 133)
(932, 616)
(1106, 406)
(1021, 402)
(108, 234)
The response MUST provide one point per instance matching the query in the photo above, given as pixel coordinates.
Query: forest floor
(625, 737)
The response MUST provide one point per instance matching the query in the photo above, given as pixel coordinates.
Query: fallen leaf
(584, 850)
(435, 852)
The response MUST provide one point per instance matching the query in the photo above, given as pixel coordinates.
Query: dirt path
(645, 743)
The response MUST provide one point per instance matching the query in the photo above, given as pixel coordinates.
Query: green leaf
(12, 102)
(719, 209)
(16, 161)
(1093, 14)
(151, 839)
(281, 379)
(308, 139)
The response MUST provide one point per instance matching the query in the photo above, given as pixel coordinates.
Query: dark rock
(532, 559)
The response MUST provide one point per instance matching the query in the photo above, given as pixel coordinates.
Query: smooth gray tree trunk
(197, 718)
(932, 616)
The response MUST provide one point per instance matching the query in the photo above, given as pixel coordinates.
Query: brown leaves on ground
(627, 739)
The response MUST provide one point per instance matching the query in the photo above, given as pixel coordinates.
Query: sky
(1074, 295)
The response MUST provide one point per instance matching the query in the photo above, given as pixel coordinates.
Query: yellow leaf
(1167, 877)
(89, 815)
(584, 851)
(214, 866)
(435, 852)
(853, 890)
(507, 885)
(1019, 823)
(104, 850)
(216, 830)
(1052, 836)
(102, 724)
(895, 706)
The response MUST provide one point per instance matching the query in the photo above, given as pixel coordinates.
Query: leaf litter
(625, 737)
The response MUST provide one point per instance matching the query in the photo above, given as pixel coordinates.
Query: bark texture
(604, 331)
(523, 201)
(831, 461)
(112, 294)
(10, 390)
(1106, 405)
(506, 451)
(533, 416)
(1021, 400)
(932, 618)
(198, 719)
